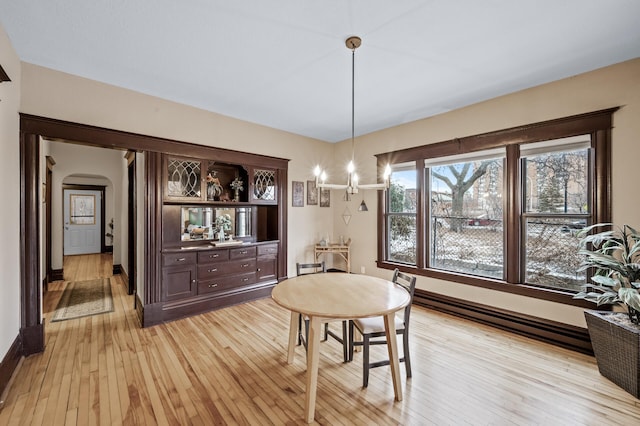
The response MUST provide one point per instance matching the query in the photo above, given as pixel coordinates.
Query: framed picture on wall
(312, 193)
(298, 194)
(325, 198)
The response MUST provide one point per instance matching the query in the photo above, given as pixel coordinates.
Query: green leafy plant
(110, 234)
(237, 184)
(224, 221)
(614, 255)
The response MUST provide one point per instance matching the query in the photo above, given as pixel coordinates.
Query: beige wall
(10, 196)
(58, 95)
(617, 85)
(54, 94)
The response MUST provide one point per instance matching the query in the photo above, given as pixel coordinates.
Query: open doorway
(88, 203)
(88, 220)
(34, 131)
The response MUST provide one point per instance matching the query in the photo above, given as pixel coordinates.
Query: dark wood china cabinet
(223, 230)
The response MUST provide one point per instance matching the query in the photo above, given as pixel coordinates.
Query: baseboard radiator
(556, 333)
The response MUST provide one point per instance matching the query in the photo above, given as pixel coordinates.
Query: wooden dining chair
(314, 268)
(373, 333)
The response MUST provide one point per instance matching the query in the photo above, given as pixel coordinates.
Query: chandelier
(352, 185)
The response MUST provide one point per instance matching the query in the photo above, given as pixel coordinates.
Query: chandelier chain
(353, 102)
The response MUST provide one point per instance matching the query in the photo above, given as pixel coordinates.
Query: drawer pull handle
(244, 265)
(214, 255)
(244, 280)
(213, 285)
(181, 259)
(212, 270)
(243, 252)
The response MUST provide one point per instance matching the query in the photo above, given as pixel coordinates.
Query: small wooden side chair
(372, 329)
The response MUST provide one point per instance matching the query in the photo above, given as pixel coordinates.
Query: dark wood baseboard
(169, 311)
(57, 275)
(124, 276)
(32, 339)
(8, 366)
(45, 285)
(556, 333)
(139, 308)
(151, 314)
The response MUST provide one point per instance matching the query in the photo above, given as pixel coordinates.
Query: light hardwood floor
(229, 367)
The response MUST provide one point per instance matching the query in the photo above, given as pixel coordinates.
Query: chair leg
(345, 342)
(351, 327)
(407, 359)
(326, 332)
(299, 329)
(304, 340)
(365, 360)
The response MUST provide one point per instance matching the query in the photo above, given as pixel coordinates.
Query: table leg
(392, 346)
(313, 354)
(293, 335)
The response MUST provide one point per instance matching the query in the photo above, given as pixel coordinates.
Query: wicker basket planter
(617, 350)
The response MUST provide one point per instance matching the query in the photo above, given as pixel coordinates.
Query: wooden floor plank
(229, 367)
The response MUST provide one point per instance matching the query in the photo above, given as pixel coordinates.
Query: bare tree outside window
(503, 208)
(556, 194)
(466, 218)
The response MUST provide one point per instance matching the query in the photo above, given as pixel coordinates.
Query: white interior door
(82, 221)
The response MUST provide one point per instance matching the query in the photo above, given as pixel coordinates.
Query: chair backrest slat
(408, 283)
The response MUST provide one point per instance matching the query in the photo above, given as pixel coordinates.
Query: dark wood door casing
(131, 223)
(32, 128)
(31, 325)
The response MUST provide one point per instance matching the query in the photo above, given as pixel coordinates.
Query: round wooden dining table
(335, 296)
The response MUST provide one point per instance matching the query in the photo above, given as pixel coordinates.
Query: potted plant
(223, 222)
(110, 235)
(613, 255)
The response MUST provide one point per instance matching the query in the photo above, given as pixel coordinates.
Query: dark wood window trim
(597, 124)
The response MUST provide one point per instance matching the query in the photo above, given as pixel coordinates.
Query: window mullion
(422, 213)
(512, 211)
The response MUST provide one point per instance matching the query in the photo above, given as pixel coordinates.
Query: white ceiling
(283, 63)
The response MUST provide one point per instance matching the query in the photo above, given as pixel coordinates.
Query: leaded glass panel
(183, 178)
(264, 187)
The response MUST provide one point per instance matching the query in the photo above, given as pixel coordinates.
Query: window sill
(551, 295)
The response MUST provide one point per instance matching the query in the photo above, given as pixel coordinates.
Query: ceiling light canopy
(353, 185)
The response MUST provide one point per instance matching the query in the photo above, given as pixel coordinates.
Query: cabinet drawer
(171, 259)
(226, 268)
(268, 249)
(242, 253)
(213, 256)
(226, 283)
